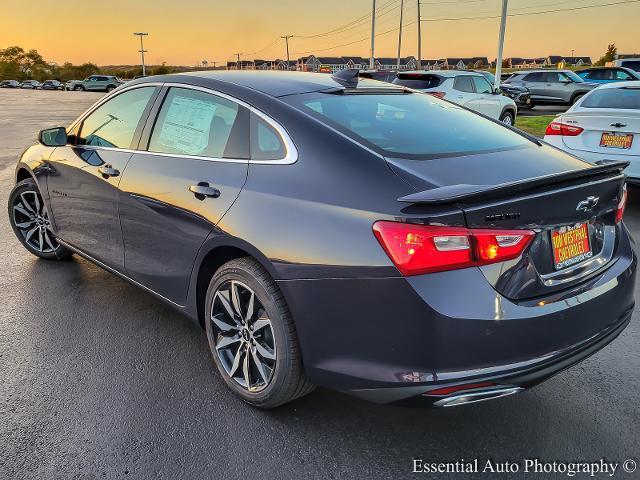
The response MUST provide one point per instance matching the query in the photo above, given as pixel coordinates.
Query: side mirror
(566, 81)
(53, 137)
(497, 91)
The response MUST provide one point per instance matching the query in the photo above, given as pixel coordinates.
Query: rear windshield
(625, 98)
(410, 125)
(418, 82)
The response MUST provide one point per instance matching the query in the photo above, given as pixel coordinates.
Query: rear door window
(266, 143)
(534, 77)
(192, 122)
(463, 83)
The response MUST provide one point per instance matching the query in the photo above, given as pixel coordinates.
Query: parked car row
(94, 83)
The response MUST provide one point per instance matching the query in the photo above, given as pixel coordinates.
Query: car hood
(490, 168)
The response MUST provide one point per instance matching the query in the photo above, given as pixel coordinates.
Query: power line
(542, 12)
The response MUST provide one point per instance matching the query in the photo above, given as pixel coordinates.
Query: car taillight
(417, 249)
(559, 128)
(436, 94)
(621, 205)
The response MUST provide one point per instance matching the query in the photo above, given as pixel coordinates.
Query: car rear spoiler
(466, 192)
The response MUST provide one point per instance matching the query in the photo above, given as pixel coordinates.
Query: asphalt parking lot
(100, 380)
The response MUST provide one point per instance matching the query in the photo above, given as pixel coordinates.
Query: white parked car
(602, 125)
(469, 89)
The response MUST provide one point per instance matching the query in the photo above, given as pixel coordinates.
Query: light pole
(286, 40)
(419, 38)
(503, 26)
(238, 62)
(372, 60)
(142, 51)
(400, 33)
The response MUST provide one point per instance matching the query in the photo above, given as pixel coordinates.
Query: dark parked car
(551, 87)
(520, 95)
(336, 232)
(380, 75)
(30, 84)
(9, 84)
(603, 75)
(52, 85)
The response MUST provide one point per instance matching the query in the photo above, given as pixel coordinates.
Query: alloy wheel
(243, 336)
(32, 221)
(507, 120)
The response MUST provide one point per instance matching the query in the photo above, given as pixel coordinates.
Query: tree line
(18, 64)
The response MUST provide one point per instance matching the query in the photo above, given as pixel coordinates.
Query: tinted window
(626, 98)
(266, 143)
(463, 84)
(482, 86)
(535, 77)
(417, 82)
(409, 125)
(632, 64)
(114, 123)
(622, 75)
(192, 122)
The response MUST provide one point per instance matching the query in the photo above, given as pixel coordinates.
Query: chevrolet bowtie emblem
(587, 204)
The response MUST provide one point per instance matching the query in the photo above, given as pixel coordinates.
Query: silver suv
(96, 83)
(551, 86)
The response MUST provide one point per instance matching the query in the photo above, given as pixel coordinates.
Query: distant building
(519, 62)
(391, 63)
(564, 62)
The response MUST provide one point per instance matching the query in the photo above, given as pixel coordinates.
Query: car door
(489, 104)
(559, 86)
(536, 84)
(174, 193)
(464, 93)
(84, 175)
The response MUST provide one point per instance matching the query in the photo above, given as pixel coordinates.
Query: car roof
(272, 83)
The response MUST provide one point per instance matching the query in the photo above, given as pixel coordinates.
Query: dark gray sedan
(329, 231)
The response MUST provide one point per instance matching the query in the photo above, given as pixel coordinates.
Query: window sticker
(187, 125)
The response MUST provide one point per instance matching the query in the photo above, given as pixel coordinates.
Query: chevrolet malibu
(325, 230)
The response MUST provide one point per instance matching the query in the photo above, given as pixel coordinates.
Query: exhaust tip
(475, 397)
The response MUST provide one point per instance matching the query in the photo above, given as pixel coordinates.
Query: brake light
(436, 94)
(559, 128)
(621, 204)
(457, 388)
(418, 249)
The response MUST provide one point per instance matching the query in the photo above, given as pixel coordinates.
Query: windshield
(415, 126)
(574, 76)
(624, 98)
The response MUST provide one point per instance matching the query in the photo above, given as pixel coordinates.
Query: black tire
(508, 118)
(576, 97)
(110, 88)
(286, 380)
(30, 223)
(78, 88)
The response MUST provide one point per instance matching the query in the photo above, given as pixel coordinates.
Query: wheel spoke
(260, 366)
(245, 370)
(37, 202)
(224, 342)
(26, 204)
(265, 352)
(20, 208)
(250, 307)
(25, 225)
(222, 324)
(235, 299)
(261, 323)
(40, 240)
(30, 233)
(47, 239)
(227, 306)
(236, 362)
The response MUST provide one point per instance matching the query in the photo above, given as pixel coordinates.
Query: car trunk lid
(605, 132)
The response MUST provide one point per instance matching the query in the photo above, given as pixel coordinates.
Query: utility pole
(238, 61)
(572, 50)
(503, 25)
(400, 33)
(372, 60)
(142, 51)
(286, 40)
(419, 38)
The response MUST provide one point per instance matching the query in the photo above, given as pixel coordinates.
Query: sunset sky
(185, 32)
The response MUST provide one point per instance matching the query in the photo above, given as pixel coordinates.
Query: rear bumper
(392, 339)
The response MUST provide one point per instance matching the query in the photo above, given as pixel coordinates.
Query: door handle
(108, 171)
(203, 190)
